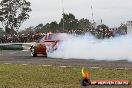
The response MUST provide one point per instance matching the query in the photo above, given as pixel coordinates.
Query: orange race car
(45, 44)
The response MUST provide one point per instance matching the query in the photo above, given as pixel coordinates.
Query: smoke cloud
(88, 47)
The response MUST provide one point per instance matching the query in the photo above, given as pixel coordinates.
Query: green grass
(38, 76)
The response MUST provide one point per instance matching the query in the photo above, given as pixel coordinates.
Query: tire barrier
(11, 47)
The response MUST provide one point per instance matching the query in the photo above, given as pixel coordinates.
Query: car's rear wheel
(45, 55)
(33, 53)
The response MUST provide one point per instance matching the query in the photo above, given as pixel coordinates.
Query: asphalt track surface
(23, 57)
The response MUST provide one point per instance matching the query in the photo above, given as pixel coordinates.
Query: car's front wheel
(33, 53)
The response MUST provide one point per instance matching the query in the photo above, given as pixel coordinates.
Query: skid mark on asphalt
(12, 53)
(25, 50)
(1, 53)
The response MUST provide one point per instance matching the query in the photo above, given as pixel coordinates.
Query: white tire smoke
(87, 47)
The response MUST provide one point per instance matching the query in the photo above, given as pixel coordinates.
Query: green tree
(53, 26)
(28, 30)
(84, 24)
(103, 31)
(122, 29)
(46, 28)
(13, 13)
(39, 27)
(2, 31)
(70, 22)
(50, 27)
(103, 26)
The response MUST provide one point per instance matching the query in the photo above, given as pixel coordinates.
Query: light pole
(93, 24)
(92, 12)
(63, 15)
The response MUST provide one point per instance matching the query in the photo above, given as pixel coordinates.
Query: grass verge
(38, 76)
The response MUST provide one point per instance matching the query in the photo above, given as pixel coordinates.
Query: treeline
(14, 12)
(69, 23)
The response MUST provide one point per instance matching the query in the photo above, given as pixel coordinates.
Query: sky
(112, 12)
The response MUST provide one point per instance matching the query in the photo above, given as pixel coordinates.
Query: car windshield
(40, 38)
(57, 36)
(52, 37)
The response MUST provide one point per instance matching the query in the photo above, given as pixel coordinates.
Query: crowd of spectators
(20, 38)
(98, 32)
(31, 37)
